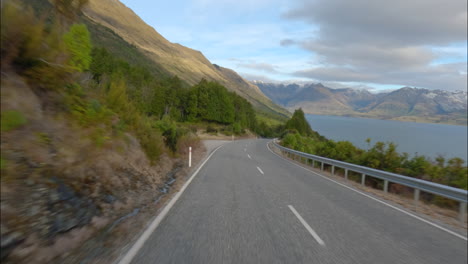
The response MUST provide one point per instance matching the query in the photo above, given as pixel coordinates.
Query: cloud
(257, 77)
(365, 55)
(385, 42)
(287, 42)
(387, 23)
(265, 67)
(442, 76)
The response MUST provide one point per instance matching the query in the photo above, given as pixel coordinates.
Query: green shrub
(171, 132)
(78, 43)
(12, 119)
(117, 100)
(384, 156)
(99, 137)
(43, 138)
(237, 129)
(33, 47)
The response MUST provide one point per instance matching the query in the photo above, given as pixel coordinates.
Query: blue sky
(372, 44)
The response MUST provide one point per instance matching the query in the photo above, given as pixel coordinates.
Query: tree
(78, 42)
(299, 122)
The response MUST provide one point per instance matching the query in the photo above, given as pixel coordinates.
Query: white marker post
(190, 157)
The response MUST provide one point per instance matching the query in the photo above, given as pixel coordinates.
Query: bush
(99, 137)
(78, 43)
(171, 132)
(383, 156)
(11, 119)
(186, 141)
(211, 130)
(32, 47)
(43, 138)
(236, 127)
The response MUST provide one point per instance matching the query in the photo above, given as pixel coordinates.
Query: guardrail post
(385, 186)
(321, 167)
(313, 163)
(462, 212)
(416, 196)
(363, 179)
(333, 170)
(346, 173)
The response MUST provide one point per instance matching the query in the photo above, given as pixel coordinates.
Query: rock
(53, 197)
(30, 182)
(65, 192)
(34, 210)
(109, 199)
(75, 202)
(9, 241)
(63, 223)
(36, 195)
(82, 215)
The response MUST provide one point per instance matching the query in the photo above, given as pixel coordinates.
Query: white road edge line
(127, 259)
(249, 156)
(307, 226)
(375, 199)
(260, 170)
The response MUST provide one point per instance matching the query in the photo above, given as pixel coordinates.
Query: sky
(370, 44)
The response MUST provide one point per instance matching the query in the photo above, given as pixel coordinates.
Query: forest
(101, 90)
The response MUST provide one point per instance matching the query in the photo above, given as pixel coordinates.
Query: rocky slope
(58, 189)
(190, 65)
(407, 104)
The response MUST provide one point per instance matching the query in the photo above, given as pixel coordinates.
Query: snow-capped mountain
(410, 104)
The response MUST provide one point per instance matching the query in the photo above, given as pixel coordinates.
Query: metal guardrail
(456, 194)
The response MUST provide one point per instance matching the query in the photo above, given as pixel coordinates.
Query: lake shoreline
(414, 138)
(406, 119)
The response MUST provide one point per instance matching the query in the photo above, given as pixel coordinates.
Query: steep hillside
(406, 104)
(190, 65)
(86, 159)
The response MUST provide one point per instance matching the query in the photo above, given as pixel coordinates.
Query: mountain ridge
(405, 104)
(188, 64)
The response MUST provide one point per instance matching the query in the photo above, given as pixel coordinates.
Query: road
(247, 205)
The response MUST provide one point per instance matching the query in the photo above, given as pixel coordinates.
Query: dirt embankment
(66, 198)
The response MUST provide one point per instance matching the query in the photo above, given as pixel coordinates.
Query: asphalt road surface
(247, 205)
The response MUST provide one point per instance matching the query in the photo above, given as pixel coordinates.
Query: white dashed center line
(260, 170)
(249, 156)
(304, 223)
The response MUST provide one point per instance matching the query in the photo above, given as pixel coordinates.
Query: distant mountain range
(406, 104)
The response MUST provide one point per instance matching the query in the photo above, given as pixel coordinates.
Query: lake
(421, 138)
